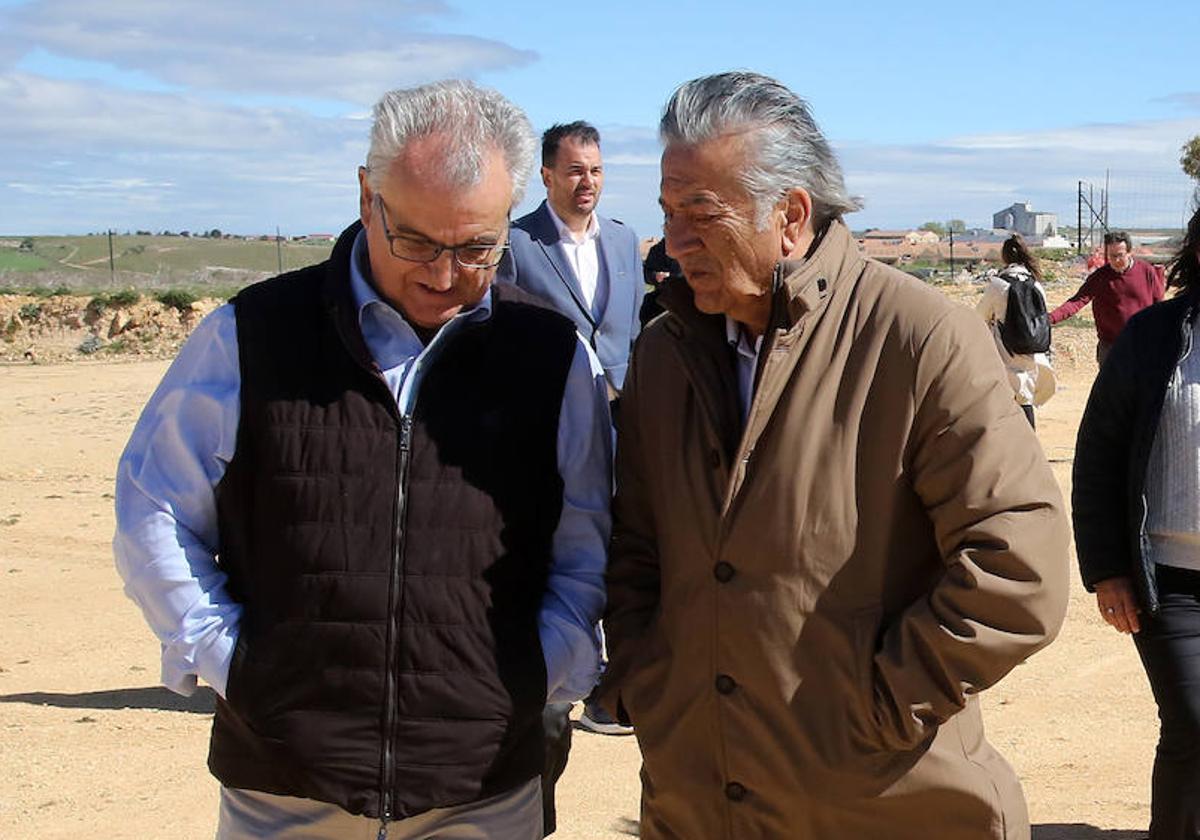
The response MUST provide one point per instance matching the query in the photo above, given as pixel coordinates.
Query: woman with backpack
(1029, 373)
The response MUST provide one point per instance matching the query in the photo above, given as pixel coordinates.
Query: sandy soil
(90, 745)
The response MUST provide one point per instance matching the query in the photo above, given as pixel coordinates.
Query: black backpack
(1026, 325)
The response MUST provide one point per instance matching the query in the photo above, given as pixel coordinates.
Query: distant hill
(82, 262)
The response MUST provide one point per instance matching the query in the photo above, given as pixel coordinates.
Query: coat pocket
(237, 668)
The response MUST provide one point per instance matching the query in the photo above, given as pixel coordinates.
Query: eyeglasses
(405, 246)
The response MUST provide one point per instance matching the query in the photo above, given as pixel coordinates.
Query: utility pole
(1079, 220)
(112, 269)
(1104, 201)
(278, 249)
(950, 228)
(1092, 217)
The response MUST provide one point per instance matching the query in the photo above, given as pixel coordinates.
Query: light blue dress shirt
(166, 537)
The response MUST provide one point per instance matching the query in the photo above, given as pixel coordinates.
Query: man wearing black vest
(368, 505)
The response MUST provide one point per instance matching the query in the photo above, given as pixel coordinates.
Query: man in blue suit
(586, 266)
(589, 269)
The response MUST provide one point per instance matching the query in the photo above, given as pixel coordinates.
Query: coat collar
(800, 289)
(802, 286)
(799, 286)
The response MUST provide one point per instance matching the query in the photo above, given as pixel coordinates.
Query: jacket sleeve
(992, 303)
(166, 539)
(574, 596)
(1158, 278)
(1075, 302)
(998, 520)
(633, 568)
(1100, 475)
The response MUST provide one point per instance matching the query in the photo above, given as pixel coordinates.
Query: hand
(1118, 604)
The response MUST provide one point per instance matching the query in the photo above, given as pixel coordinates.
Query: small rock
(118, 324)
(90, 345)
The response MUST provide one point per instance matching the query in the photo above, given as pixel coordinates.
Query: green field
(11, 260)
(83, 261)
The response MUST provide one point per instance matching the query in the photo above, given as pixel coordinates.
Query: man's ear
(797, 231)
(365, 197)
(545, 177)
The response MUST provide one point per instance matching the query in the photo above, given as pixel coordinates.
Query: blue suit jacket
(537, 263)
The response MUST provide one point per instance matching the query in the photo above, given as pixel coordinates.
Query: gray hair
(789, 149)
(473, 119)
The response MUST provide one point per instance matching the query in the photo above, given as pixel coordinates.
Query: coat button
(735, 792)
(724, 572)
(726, 684)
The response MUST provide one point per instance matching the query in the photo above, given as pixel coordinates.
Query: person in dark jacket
(368, 505)
(657, 268)
(1136, 511)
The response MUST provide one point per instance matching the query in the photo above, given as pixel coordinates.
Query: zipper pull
(406, 425)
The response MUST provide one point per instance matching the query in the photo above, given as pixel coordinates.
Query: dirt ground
(91, 746)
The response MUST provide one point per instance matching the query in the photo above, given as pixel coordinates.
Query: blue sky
(140, 114)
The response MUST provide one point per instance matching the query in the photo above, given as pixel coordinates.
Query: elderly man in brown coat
(834, 527)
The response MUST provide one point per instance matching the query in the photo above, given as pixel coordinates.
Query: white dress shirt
(583, 255)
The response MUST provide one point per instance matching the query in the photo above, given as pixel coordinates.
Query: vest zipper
(395, 606)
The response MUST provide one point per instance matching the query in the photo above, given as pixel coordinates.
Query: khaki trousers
(251, 815)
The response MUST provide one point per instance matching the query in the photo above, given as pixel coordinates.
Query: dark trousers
(556, 722)
(1169, 644)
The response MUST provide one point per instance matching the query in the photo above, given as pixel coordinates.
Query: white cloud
(76, 156)
(971, 177)
(347, 51)
(72, 117)
(1190, 101)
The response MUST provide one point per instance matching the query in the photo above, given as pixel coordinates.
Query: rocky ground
(62, 328)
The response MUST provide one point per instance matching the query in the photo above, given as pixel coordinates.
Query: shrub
(116, 300)
(1056, 254)
(42, 292)
(30, 312)
(176, 299)
(125, 297)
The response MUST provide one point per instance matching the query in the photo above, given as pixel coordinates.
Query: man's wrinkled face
(710, 228)
(574, 182)
(421, 207)
(1118, 256)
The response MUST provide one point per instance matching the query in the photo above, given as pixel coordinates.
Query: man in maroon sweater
(1116, 291)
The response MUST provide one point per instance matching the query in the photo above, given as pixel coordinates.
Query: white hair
(787, 149)
(474, 120)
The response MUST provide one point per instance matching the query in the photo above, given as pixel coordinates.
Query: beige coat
(801, 613)
(1031, 376)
